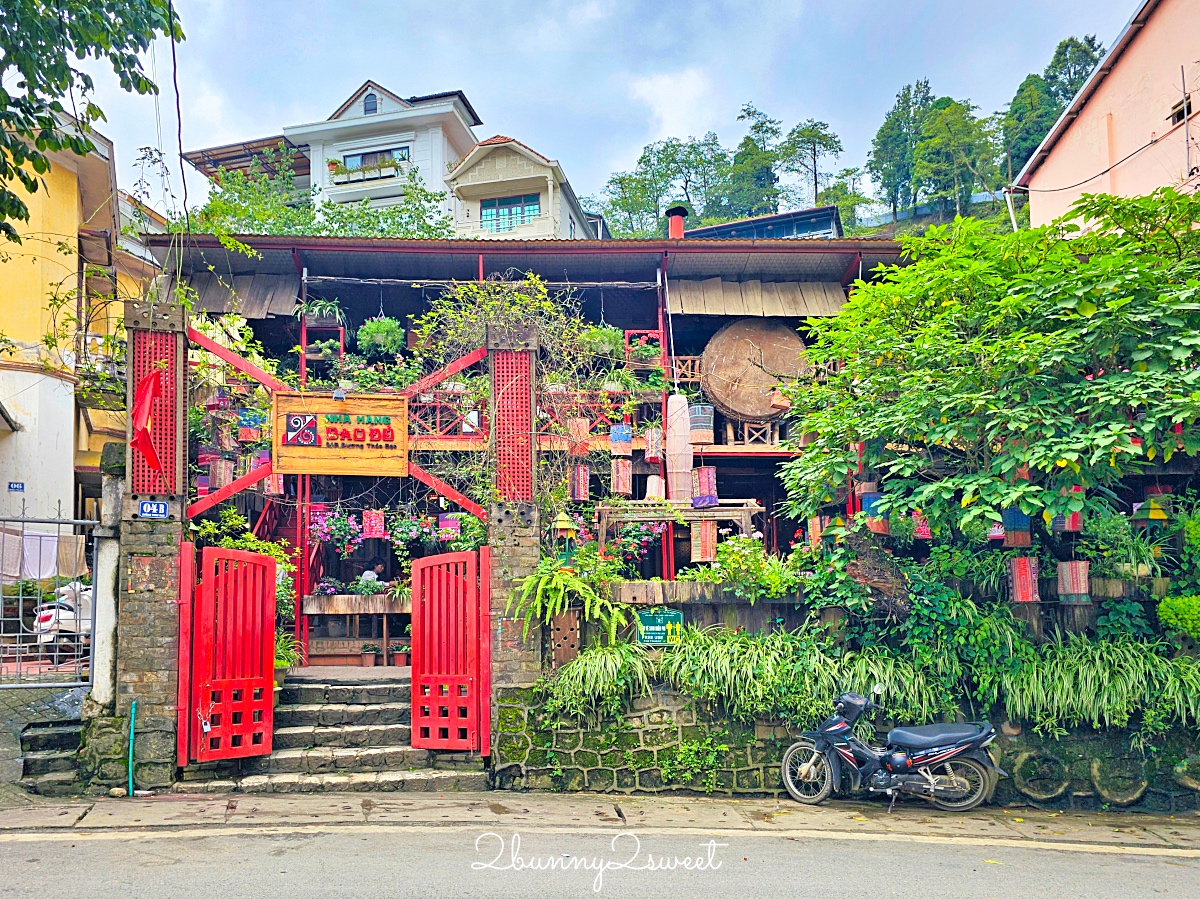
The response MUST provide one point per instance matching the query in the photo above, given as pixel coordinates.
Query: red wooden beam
(447, 491)
(242, 365)
(851, 269)
(246, 480)
(442, 373)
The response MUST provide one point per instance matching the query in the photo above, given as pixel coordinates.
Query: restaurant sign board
(363, 434)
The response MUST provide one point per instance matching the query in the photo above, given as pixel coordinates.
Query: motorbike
(949, 765)
(66, 621)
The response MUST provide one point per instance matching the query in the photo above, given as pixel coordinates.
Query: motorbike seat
(930, 735)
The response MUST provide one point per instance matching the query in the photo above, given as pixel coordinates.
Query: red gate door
(233, 656)
(451, 646)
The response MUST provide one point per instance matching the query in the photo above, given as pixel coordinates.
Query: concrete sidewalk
(507, 811)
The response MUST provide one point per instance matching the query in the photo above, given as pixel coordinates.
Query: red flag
(143, 401)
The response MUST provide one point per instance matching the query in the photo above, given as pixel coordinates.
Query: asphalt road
(383, 862)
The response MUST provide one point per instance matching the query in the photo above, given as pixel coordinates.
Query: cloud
(684, 103)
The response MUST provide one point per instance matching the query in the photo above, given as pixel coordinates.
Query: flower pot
(368, 660)
(400, 659)
(280, 676)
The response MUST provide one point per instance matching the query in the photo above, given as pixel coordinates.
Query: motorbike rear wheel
(811, 786)
(972, 779)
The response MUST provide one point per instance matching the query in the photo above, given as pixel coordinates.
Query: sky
(587, 83)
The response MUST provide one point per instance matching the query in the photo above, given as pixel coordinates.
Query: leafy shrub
(552, 589)
(600, 681)
(1181, 614)
(381, 337)
(743, 563)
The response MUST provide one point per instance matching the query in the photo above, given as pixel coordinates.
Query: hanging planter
(704, 487)
(621, 440)
(581, 476)
(704, 541)
(700, 424)
(1023, 580)
(622, 477)
(654, 444)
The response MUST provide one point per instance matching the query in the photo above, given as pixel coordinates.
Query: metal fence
(47, 615)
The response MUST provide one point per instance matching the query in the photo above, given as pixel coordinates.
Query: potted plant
(287, 655)
(369, 651)
(399, 653)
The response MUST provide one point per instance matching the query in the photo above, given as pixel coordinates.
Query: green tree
(956, 152)
(843, 193)
(804, 148)
(39, 42)
(1069, 355)
(266, 200)
(1073, 61)
(890, 162)
(1027, 120)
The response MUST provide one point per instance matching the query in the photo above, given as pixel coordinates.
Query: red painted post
(183, 706)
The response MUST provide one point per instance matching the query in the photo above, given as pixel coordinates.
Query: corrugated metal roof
(784, 299)
(251, 296)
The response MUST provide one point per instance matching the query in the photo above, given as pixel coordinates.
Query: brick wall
(513, 534)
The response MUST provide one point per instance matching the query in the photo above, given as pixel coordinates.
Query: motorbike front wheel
(969, 781)
(807, 779)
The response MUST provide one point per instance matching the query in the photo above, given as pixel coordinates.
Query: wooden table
(355, 605)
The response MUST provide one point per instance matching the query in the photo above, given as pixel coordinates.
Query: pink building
(1129, 128)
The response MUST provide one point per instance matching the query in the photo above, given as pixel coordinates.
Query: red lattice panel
(150, 350)
(451, 677)
(233, 652)
(512, 388)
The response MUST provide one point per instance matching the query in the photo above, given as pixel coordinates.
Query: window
(505, 213)
(571, 219)
(370, 104)
(1178, 111)
(375, 159)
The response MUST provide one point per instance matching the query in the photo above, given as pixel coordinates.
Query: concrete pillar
(101, 700)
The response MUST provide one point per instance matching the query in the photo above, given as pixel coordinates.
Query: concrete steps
(341, 731)
(50, 758)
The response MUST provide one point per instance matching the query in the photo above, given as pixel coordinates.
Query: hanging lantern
(1016, 527)
(621, 440)
(700, 424)
(220, 473)
(579, 436)
(816, 526)
(202, 485)
(921, 527)
(996, 531)
(275, 485)
(679, 485)
(877, 519)
(1073, 582)
(656, 487)
(581, 477)
(654, 444)
(704, 541)
(564, 536)
(372, 524)
(622, 477)
(1023, 580)
(779, 400)
(677, 443)
(704, 487)
(449, 526)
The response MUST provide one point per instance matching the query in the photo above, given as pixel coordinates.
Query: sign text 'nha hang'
(365, 434)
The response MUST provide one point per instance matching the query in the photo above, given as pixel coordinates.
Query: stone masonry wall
(148, 646)
(670, 743)
(514, 536)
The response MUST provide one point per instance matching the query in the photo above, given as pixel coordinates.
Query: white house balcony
(526, 227)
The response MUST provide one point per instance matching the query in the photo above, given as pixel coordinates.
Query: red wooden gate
(451, 646)
(226, 656)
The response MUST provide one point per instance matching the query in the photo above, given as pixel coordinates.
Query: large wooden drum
(746, 361)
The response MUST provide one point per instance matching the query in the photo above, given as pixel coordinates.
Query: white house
(366, 148)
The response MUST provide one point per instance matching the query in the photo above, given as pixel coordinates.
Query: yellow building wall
(32, 271)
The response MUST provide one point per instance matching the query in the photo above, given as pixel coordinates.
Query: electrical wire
(178, 113)
(1052, 190)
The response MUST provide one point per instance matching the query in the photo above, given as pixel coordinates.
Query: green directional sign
(660, 626)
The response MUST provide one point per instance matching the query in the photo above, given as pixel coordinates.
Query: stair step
(51, 736)
(418, 781)
(307, 736)
(333, 759)
(56, 783)
(49, 761)
(350, 694)
(297, 715)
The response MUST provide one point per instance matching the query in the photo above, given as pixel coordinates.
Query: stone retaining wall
(670, 743)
